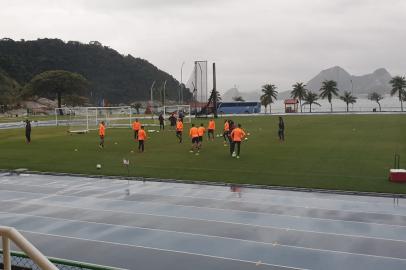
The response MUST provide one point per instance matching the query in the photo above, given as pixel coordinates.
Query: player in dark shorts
(210, 129)
(194, 134)
(201, 130)
(281, 131)
(230, 140)
(179, 129)
(28, 131)
(161, 122)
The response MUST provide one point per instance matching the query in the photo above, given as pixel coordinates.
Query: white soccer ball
(98, 166)
(246, 138)
(76, 150)
(116, 143)
(248, 134)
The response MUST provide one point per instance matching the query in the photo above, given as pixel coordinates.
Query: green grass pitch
(345, 152)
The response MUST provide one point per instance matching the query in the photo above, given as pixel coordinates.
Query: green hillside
(113, 76)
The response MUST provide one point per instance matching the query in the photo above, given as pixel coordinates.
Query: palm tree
(376, 97)
(398, 86)
(265, 101)
(310, 98)
(348, 98)
(299, 92)
(328, 90)
(269, 94)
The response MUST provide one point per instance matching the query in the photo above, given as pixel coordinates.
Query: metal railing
(7, 234)
(21, 260)
(31, 258)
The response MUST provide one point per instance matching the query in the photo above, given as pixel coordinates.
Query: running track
(156, 225)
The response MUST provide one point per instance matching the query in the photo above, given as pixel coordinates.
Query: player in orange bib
(136, 127)
(179, 129)
(201, 130)
(237, 135)
(194, 134)
(142, 136)
(226, 132)
(211, 128)
(102, 133)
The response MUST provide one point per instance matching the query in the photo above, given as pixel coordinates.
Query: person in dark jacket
(281, 130)
(161, 122)
(28, 131)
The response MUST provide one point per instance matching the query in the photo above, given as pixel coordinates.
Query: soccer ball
(246, 138)
(116, 143)
(98, 166)
(248, 134)
(76, 150)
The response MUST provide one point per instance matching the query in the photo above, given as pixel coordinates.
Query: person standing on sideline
(102, 133)
(28, 131)
(226, 132)
(281, 131)
(179, 130)
(201, 131)
(161, 122)
(181, 115)
(211, 128)
(136, 128)
(237, 135)
(172, 120)
(194, 134)
(142, 136)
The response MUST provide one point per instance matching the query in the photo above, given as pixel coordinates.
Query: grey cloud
(253, 42)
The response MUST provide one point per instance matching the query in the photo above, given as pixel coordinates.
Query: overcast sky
(252, 41)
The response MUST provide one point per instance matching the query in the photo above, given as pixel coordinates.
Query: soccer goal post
(84, 119)
(179, 111)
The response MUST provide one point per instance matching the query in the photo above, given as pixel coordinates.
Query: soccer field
(346, 152)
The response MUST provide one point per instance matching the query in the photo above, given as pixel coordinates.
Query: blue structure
(239, 107)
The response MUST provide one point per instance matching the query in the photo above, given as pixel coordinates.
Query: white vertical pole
(6, 253)
(131, 116)
(56, 118)
(87, 119)
(97, 113)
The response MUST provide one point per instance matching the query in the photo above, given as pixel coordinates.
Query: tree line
(329, 90)
(109, 75)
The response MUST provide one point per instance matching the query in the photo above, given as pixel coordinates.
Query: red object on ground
(397, 175)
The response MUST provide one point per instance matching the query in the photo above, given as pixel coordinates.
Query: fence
(20, 261)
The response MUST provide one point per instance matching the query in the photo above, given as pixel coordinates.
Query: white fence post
(6, 253)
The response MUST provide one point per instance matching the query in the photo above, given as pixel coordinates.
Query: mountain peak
(364, 84)
(381, 71)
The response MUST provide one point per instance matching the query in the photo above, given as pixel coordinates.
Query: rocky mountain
(234, 92)
(378, 81)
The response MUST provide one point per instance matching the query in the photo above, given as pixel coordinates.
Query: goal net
(85, 119)
(179, 111)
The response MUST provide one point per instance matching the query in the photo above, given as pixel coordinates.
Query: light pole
(152, 101)
(164, 94)
(181, 84)
(352, 93)
(201, 82)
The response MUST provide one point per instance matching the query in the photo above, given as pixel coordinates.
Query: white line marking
(219, 221)
(49, 196)
(382, 212)
(204, 236)
(177, 186)
(161, 249)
